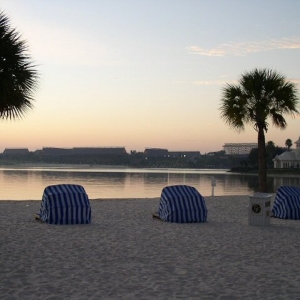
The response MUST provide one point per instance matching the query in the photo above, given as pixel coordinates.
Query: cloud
(208, 82)
(244, 48)
(213, 82)
(206, 52)
(223, 82)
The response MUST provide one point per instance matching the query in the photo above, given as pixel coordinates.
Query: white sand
(125, 254)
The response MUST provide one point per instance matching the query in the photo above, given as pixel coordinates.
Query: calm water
(29, 183)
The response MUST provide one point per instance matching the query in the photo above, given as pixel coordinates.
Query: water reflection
(109, 183)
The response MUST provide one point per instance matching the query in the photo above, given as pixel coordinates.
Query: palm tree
(18, 77)
(289, 143)
(260, 95)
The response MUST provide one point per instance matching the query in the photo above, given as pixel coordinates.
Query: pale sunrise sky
(147, 73)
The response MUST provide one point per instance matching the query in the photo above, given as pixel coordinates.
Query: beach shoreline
(126, 254)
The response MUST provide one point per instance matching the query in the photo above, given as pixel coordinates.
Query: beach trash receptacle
(259, 209)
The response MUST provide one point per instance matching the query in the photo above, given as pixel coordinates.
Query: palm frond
(266, 94)
(18, 74)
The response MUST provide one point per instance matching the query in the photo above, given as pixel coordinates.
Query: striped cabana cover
(287, 203)
(182, 204)
(65, 204)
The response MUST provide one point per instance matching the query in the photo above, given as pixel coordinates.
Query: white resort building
(239, 148)
(288, 159)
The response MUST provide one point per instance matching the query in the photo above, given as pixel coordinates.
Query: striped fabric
(182, 204)
(287, 203)
(65, 204)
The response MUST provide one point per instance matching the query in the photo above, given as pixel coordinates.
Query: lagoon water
(28, 183)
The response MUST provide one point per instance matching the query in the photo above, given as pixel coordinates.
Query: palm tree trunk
(262, 169)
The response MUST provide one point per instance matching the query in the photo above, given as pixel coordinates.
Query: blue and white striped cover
(65, 204)
(182, 204)
(287, 203)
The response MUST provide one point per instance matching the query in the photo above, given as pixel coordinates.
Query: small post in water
(213, 184)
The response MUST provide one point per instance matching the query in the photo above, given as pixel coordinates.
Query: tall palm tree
(260, 95)
(18, 76)
(289, 143)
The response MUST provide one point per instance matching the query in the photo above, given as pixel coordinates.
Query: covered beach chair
(181, 204)
(65, 204)
(287, 203)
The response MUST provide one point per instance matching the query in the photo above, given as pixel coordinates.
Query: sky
(147, 73)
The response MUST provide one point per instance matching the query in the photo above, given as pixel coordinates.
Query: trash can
(259, 209)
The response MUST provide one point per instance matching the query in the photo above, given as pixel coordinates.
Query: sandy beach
(126, 254)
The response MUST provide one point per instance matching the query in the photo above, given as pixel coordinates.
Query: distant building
(16, 151)
(109, 151)
(55, 151)
(212, 153)
(288, 159)
(298, 143)
(185, 154)
(156, 152)
(100, 151)
(239, 148)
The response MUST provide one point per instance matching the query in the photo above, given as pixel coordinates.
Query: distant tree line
(271, 151)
